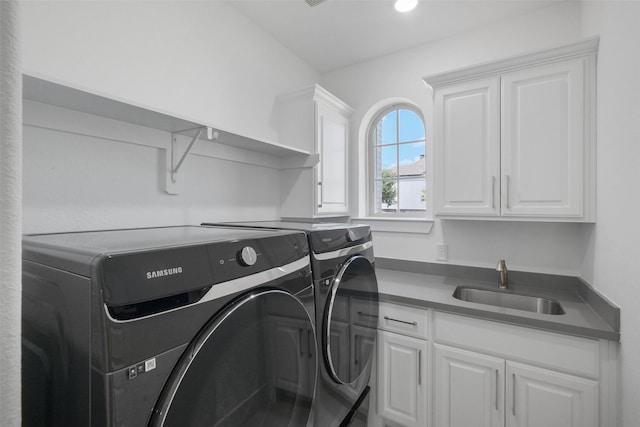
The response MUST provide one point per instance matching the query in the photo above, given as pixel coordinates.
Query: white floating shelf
(61, 95)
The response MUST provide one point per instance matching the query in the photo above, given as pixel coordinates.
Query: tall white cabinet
(315, 121)
(515, 139)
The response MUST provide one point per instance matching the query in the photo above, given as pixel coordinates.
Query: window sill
(397, 225)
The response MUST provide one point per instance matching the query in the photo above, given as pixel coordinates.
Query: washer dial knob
(247, 256)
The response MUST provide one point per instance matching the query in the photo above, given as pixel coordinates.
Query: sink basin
(507, 299)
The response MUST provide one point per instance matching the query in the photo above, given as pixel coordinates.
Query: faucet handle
(502, 265)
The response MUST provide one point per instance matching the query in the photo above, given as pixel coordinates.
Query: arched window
(397, 164)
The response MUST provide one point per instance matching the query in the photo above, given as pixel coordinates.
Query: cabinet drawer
(404, 320)
(552, 350)
(363, 312)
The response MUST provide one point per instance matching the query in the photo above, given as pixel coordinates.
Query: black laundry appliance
(346, 292)
(171, 326)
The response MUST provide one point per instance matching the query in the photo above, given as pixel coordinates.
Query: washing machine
(171, 326)
(346, 293)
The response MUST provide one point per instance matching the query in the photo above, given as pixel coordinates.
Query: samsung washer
(346, 292)
(174, 326)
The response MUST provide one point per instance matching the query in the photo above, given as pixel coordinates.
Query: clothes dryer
(175, 326)
(346, 294)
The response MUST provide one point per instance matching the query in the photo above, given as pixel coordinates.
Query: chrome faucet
(504, 279)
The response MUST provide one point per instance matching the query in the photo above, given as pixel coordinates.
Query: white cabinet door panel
(538, 397)
(332, 136)
(542, 140)
(469, 388)
(468, 150)
(291, 374)
(402, 378)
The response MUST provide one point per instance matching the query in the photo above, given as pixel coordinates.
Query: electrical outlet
(443, 252)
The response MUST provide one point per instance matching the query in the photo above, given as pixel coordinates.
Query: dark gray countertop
(585, 309)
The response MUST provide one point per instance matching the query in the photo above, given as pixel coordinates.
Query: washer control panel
(247, 256)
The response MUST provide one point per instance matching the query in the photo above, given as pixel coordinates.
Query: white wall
(552, 248)
(612, 244)
(85, 172)
(197, 59)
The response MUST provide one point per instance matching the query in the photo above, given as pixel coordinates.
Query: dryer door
(254, 364)
(349, 347)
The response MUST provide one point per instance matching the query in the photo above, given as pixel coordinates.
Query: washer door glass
(254, 364)
(350, 320)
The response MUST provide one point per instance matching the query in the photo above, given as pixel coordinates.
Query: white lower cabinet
(292, 373)
(402, 366)
(402, 379)
(438, 369)
(473, 389)
(542, 398)
(468, 388)
(363, 347)
(339, 347)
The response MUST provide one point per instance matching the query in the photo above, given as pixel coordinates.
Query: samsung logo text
(165, 272)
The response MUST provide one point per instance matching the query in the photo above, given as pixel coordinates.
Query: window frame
(371, 162)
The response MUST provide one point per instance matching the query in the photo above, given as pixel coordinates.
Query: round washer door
(350, 320)
(251, 365)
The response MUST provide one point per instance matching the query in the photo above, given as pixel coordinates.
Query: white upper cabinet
(467, 154)
(543, 140)
(332, 136)
(515, 139)
(315, 121)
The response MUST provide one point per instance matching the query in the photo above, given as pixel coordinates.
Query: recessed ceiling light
(405, 5)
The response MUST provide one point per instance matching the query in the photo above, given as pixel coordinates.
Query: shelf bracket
(174, 164)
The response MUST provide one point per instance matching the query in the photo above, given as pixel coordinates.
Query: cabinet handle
(419, 367)
(508, 191)
(493, 192)
(355, 351)
(300, 337)
(400, 321)
(319, 194)
(513, 395)
(497, 385)
(309, 340)
(361, 313)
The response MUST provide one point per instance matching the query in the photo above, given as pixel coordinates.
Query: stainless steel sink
(508, 300)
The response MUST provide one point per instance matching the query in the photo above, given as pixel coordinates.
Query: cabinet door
(332, 133)
(339, 348)
(543, 140)
(467, 148)
(402, 379)
(364, 343)
(469, 388)
(292, 372)
(541, 398)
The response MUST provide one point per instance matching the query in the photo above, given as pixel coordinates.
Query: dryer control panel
(132, 278)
